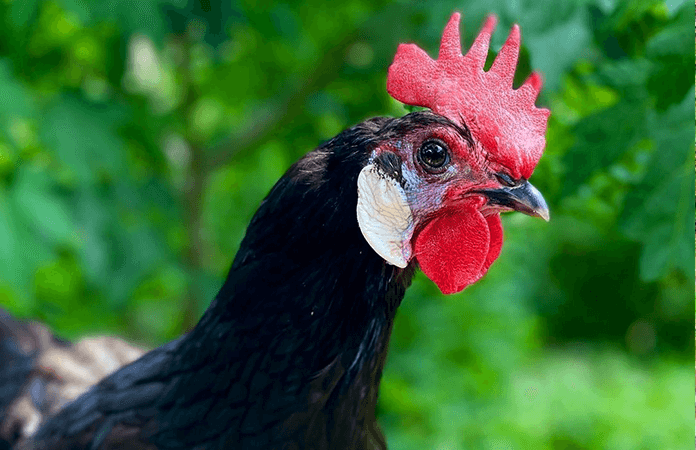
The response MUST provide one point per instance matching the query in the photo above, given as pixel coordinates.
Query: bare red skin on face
(456, 248)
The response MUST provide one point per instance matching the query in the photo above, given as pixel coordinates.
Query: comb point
(506, 61)
(451, 43)
(403, 83)
(479, 49)
(490, 24)
(535, 82)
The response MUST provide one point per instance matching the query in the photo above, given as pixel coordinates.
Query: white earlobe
(384, 216)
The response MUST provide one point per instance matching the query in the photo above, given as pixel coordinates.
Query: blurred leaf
(94, 217)
(82, 9)
(10, 261)
(135, 16)
(673, 49)
(557, 47)
(674, 39)
(84, 138)
(21, 248)
(629, 76)
(158, 303)
(15, 100)
(43, 211)
(601, 140)
(21, 12)
(58, 281)
(659, 211)
(584, 399)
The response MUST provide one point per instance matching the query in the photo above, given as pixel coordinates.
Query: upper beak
(524, 198)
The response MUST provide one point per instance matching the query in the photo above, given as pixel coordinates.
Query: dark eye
(505, 179)
(433, 155)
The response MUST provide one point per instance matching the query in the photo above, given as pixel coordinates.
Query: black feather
(290, 352)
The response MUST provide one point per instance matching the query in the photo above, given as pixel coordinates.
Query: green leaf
(15, 100)
(134, 16)
(675, 39)
(602, 139)
(43, 211)
(94, 215)
(673, 51)
(659, 211)
(81, 8)
(21, 12)
(628, 76)
(555, 49)
(84, 138)
(9, 258)
(21, 246)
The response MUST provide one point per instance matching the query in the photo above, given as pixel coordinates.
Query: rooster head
(433, 190)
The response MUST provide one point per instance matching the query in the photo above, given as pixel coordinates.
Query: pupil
(433, 154)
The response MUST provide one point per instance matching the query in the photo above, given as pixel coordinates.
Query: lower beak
(524, 198)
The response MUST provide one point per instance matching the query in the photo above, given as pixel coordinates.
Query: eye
(433, 155)
(505, 179)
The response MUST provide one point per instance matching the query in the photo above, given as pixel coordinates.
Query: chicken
(291, 350)
(41, 374)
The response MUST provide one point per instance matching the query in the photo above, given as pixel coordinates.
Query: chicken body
(290, 352)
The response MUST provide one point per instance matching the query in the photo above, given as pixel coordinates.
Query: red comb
(503, 120)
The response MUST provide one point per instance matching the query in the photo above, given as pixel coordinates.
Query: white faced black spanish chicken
(290, 353)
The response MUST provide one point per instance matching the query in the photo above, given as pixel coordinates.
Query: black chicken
(290, 353)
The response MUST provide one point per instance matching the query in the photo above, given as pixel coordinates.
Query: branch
(192, 194)
(264, 128)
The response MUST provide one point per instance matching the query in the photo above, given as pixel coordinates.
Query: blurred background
(137, 138)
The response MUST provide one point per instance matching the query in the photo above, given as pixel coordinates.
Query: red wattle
(495, 228)
(457, 248)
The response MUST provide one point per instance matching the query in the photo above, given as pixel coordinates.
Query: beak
(524, 198)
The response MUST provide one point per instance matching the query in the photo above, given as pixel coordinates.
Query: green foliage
(137, 139)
